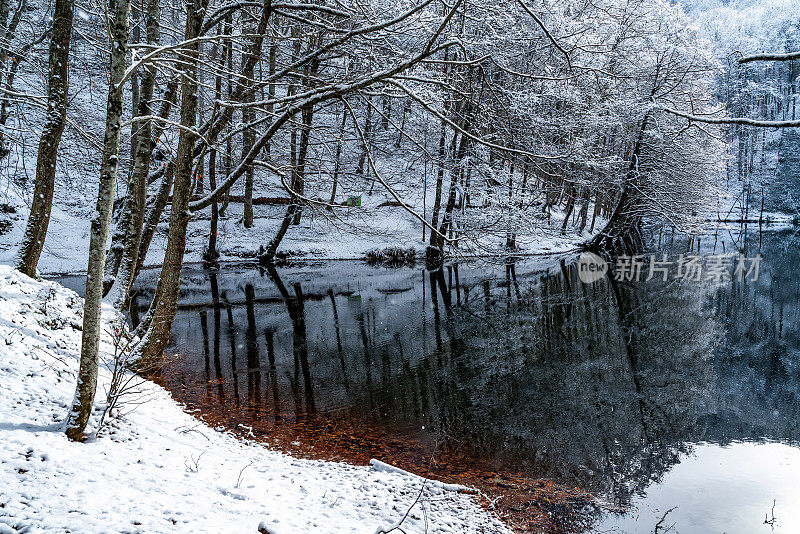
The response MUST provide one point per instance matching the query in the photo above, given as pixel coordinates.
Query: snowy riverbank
(157, 469)
(348, 235)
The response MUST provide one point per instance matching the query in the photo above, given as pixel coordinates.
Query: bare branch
(770, 57)
(742, 121)
(538, 20)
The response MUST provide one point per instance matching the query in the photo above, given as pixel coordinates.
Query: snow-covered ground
(154, 468)
(348, 235)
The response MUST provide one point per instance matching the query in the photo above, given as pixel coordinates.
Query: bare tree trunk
(336, 160)
(584, 210)
(367, 132)
(136, 37)
(122, 216)
(153, 216)
(120, 239)
(211, 255)
(157, 336)
(447, 217)
(228, 55)
(57, 83)
(92, 326)
(291, 90)
(5, 9)
(387, 111)
(273, 52)
(437, 200)
(156, 207)
(141, 169)
(269, 254)
(299, 171)
(570, 191)
(11, 61)
(598, 205)
(248, 137)
(307, 114)
(200, 167)
(511, 242)
(622, 233)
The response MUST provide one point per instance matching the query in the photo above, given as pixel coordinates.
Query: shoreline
(524, 503)
(304, 260)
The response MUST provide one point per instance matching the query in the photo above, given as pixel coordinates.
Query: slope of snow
(154, 468)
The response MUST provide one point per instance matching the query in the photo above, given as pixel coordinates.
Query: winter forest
(329, 266)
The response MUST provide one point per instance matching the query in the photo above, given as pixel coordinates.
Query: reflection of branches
(481, 318)
(659, 527)
(771, 521)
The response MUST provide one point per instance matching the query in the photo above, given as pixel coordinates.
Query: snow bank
(350, 236)
(154, 468)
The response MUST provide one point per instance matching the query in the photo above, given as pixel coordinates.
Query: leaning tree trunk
(156, 338)
(623, 232)
(141, 170)
(268, 255)
(36, 229)
(119, 238)
(293, 211)
(153, 215)
(92, 325)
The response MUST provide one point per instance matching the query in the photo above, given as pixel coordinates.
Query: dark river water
(677, 401)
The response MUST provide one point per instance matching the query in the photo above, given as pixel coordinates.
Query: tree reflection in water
(494, 369)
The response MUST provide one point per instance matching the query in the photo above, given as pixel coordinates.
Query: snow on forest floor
(349, 235)
(155, 468)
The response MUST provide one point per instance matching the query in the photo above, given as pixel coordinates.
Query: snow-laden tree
(486, 123)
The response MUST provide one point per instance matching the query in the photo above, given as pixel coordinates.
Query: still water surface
(678, 402)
